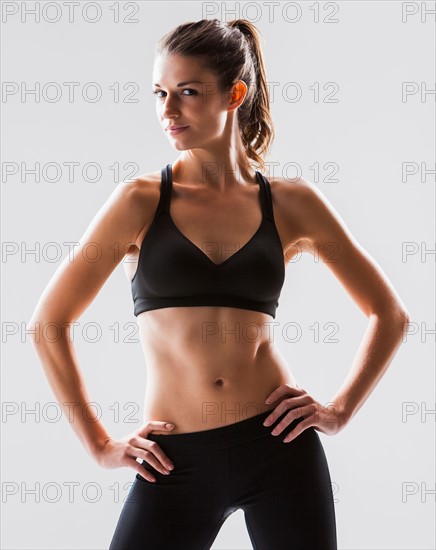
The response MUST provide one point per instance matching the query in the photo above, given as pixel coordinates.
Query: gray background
(367, 135)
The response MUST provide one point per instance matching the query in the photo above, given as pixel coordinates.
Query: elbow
(402, 314)
(405, 315)
(35, 321)
(33, 330)
(42, 330)
(401, 318)
(398, 316)
(405, 320)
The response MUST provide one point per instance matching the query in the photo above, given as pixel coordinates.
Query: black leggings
(284, 490)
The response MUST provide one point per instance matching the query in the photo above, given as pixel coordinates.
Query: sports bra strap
(164, 199)
(266, 197)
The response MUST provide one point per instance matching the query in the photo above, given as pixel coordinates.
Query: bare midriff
(209, 367)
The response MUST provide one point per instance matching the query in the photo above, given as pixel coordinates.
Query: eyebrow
(183, 83)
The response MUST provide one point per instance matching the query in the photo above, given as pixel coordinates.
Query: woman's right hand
(115, 453)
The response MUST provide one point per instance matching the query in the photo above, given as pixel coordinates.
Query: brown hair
(232, 50)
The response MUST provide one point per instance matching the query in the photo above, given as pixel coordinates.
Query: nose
(169, 108)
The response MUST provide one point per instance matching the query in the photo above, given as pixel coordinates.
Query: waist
(209, 367)
(198, 399)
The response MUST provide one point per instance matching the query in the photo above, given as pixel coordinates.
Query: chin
(180, 147)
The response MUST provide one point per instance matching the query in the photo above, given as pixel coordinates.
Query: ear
(237, 94)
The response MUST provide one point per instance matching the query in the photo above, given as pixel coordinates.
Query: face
(187, 95)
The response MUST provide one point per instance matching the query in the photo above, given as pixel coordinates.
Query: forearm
(61, 368)
(380, 342)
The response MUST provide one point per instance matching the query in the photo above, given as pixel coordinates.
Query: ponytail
(257, 132)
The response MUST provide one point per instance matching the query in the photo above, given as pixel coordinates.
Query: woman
(210, 237)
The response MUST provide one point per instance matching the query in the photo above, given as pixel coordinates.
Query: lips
(175, 127)
(174, 130)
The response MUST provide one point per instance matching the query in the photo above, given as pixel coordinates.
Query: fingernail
(267, 401)
(169, 426)
(170, 465)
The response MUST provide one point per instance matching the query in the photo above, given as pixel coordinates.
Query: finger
(154, 426)
(143, 472)
(283, 406)
(283, 391)
(292, 415)
(152, 459)
(152, 453)
(143, 442)
(303, 425)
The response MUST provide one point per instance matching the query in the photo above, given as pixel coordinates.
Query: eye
(194, 92)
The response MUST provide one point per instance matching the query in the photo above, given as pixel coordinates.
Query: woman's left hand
(300, 404)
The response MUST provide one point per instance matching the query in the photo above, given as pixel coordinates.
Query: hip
(245, 450)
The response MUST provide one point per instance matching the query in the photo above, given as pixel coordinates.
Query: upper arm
(326, 236)
(101, 248)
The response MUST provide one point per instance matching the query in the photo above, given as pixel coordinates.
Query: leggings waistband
(219, 438)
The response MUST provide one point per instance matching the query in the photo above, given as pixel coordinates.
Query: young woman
(211, 237)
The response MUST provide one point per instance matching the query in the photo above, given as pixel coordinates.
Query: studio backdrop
(352, 88)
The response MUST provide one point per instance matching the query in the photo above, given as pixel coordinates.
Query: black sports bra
(174, 272)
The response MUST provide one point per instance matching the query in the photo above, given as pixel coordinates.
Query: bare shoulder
(128, 200)
(145, 191)
(298, 206)
(145, 184)
(321, 231)
(111, 232)
(306, 212)
(148, 179)
(298, 191)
